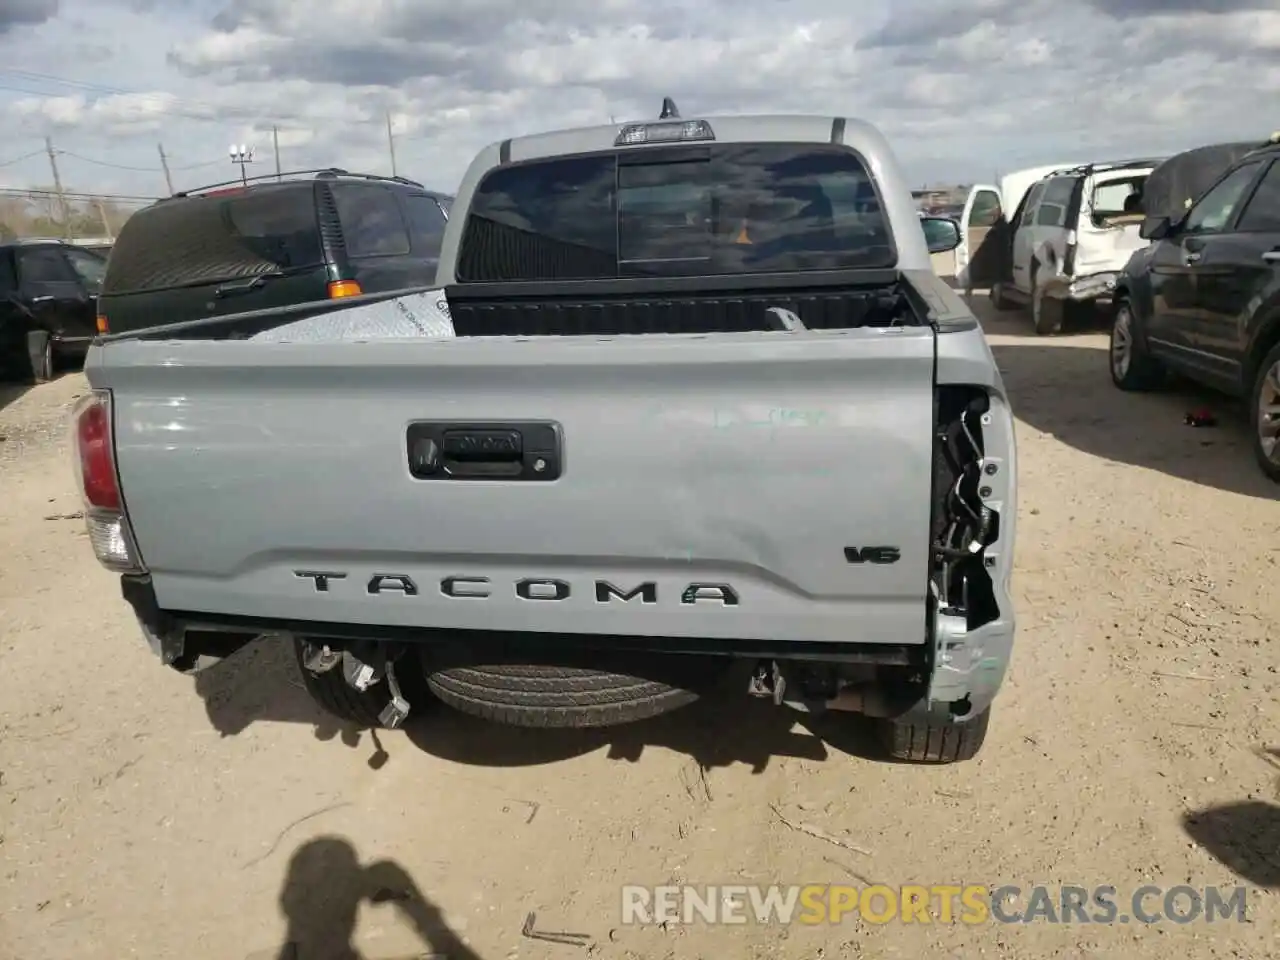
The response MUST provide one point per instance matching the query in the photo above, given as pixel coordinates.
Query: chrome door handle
(1272, 256)
(1190, 258)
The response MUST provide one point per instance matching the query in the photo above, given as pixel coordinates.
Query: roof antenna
(669, 110)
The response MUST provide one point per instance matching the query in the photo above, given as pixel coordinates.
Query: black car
(48, 304)
(271, 242)
(1203, 299)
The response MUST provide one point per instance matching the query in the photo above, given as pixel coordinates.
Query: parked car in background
(984, 220)
(98, 245)
(1069, 239)
(308, 236)
(1203, 300)
(48, 304)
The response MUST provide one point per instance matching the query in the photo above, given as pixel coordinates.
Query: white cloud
(963, 87)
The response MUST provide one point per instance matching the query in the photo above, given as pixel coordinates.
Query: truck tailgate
(759, 484)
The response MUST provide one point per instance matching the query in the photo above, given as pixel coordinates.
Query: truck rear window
(729, 209)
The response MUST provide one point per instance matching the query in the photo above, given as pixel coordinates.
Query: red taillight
(95, 456)
(97, 459)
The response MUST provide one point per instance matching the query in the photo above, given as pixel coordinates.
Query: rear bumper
(972, 670)
(177, 635)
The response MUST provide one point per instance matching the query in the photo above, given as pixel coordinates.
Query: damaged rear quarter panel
(976, 668)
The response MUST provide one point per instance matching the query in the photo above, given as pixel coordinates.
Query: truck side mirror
(940, 233)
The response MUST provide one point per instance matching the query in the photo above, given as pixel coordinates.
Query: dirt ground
(147, 814)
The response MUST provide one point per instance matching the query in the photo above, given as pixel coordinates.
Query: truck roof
(763, 128)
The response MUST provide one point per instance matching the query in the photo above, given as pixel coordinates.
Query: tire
(1046, 313)
(335, 696)
(935, 742)
(1265, 392)
(1133, 369)
(998, 298)
(539, 695)
(40, 352)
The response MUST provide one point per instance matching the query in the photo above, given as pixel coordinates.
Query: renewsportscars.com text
(969, 904)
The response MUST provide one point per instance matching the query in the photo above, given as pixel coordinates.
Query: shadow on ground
(11, 392)
(324, 890)
(1245, 837)
(261, 683)
(1062, 386)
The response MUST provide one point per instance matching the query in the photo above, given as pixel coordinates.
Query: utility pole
(102, 212)
(391, 144)
(275, 142)
(164, 165)
(57, 186)
(241, 155)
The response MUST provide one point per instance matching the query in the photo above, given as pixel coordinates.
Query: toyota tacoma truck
(698, 400)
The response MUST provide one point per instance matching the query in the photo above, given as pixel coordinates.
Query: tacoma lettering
(465, 587)
(534, 589)
(606, 591)
(395, 582)
(320, 578)
(544, 589)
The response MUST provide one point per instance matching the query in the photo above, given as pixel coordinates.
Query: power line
(122, 166)
(201, 166)
(25, 156)
(72, 195)
(106, 163)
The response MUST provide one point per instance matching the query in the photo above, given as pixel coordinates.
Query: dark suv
(271, 242)
(1203, 299)
(48, 297)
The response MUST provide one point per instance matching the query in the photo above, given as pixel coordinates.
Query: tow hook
(767, 681)
(395, 712)
(362, 675)
(359, 675)
(318, 660)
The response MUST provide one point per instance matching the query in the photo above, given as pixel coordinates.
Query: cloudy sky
(964, 88)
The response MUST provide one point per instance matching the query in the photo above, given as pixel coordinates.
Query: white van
(990, 208)
(1068, 239)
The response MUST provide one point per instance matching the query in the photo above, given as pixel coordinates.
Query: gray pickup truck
(700, 403)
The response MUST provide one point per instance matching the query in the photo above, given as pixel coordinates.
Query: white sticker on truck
(417, 315)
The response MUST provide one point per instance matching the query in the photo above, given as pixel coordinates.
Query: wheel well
(1266, 341)
(1118, 299)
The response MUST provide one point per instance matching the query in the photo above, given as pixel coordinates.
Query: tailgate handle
(483, 446)
(489, 451)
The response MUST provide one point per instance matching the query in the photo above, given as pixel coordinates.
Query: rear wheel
(40, 352)
(999, 299)
(1046, 313)
(574, 694)
(1132, 367)
(1266, 414)
(942, 741)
